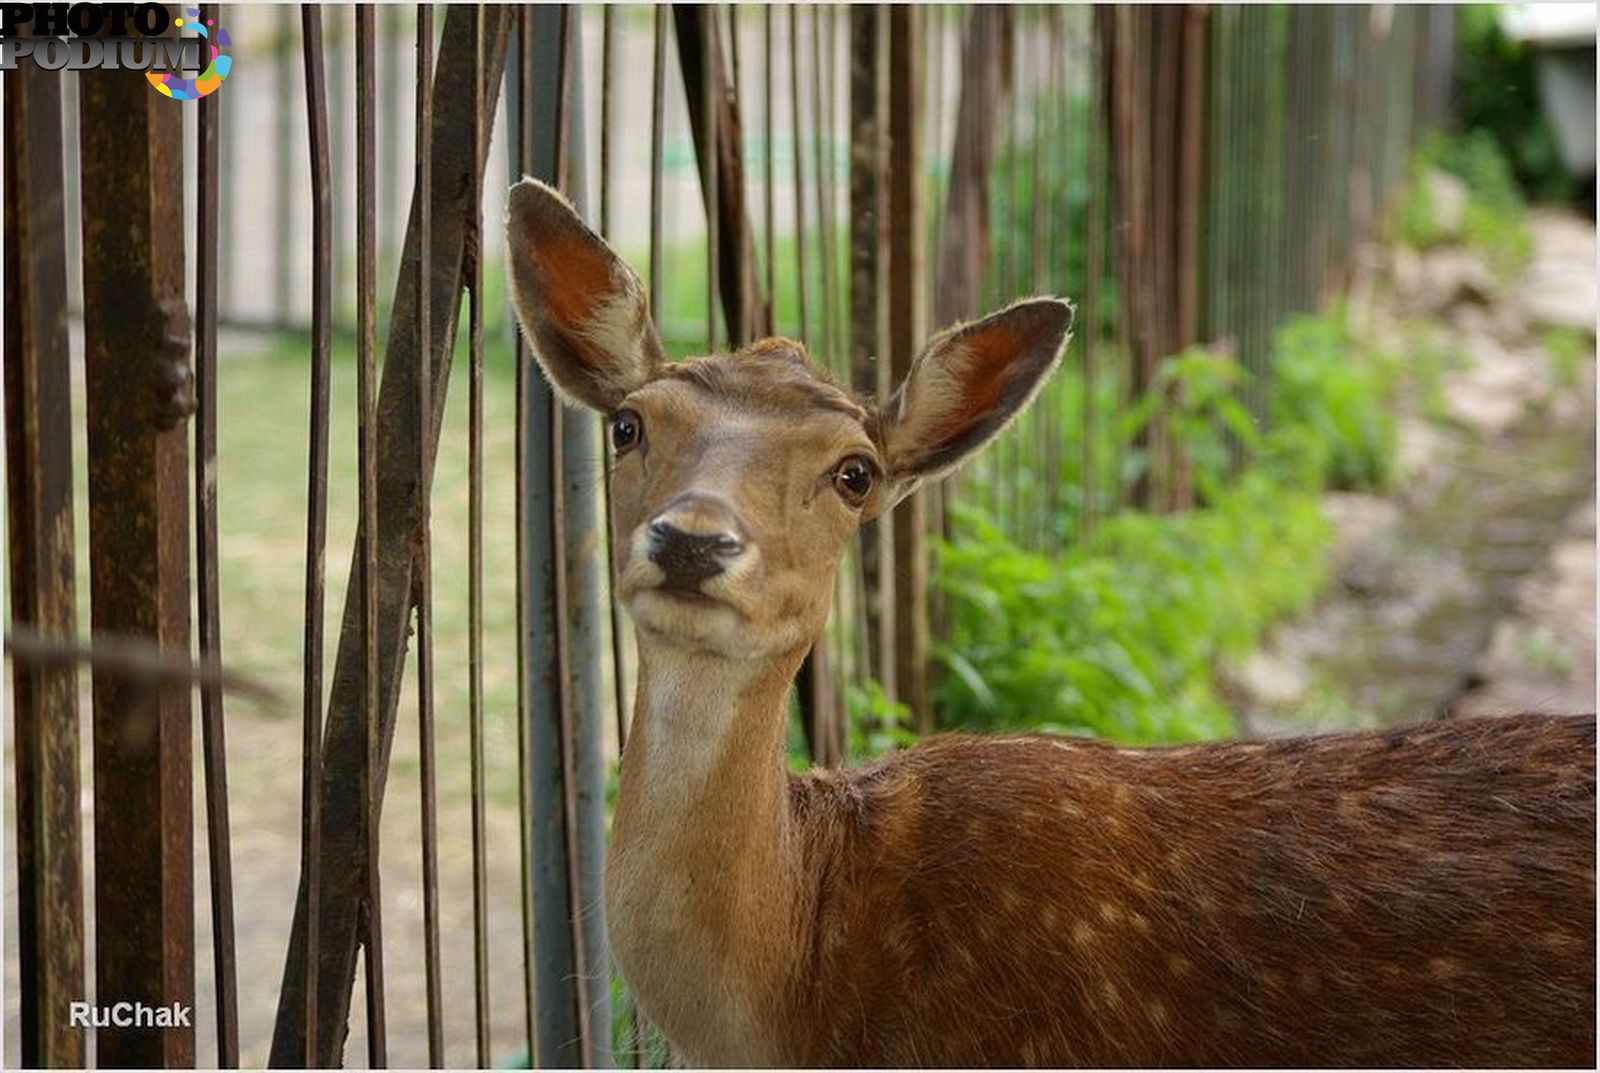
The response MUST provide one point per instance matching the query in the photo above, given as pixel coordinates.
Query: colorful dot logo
(174, 85)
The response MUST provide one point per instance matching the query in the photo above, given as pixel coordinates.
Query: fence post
(746, 314)
(868, 310)
(345, 734)
(43, 591)
(906, 303)
(561, 626)
(140, 393)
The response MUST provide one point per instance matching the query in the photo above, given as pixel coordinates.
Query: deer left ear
(967, 386)
(583, 309)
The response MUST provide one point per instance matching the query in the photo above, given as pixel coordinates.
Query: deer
(1422, 895)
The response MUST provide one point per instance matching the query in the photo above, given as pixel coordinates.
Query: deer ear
(582, 309)
(967, 385)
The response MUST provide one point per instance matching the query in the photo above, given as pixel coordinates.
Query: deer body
(1409, 897)
(1421, 896)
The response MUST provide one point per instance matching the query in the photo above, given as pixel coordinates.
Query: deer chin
(697, 621)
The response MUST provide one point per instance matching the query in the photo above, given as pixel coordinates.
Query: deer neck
(703, 875)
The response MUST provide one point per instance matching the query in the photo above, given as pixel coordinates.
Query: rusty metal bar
(480, 853)
(714, 110)
(819, 164)
(208, 603)
(367, 538)
(658, 98)
(38, 400)
(140, 393)
(905, 326)
(1094, 261)
(1058, 232)
(422, 569)
(938, 190)
(710, 77)
(322, 251)
(868, 307)
(345, 740)
(768, 136)
(799, 174)
(1189, 190)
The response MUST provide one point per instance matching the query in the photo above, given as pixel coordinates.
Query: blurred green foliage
(1495, 93)
(1120, 635)
(1494, 219)
(1334, 396)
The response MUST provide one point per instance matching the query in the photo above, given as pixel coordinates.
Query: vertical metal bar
(229, 289)
(608, 50)
(711, 75)
(367, 454)
(322, 251)
(620, 694)
(527, 386)
(867, 307)
(799, 173)
(934, 19)
(283, 186)
(140, 393)
(1094, 261)
(567, 633)
(768, 136)
(480, 873)
(658, 97)
(905, 326)
(344, 788)
(1058, 232)
(208, 604)
(721, 167)
(422, 570)
(38, 402)
(607, 69)
(819, 137)
(556, 593)
(582, 619)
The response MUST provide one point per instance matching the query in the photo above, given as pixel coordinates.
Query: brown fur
(1408, 897)
(1396, 898)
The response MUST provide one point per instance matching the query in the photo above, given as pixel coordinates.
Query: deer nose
(686, 559)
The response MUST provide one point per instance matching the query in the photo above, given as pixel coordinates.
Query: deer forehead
(756, 406)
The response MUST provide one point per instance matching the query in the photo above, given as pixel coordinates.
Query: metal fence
(854, 177)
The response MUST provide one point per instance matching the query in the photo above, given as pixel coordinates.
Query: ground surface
(1471, 588)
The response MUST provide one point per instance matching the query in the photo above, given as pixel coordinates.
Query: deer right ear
(582, 309)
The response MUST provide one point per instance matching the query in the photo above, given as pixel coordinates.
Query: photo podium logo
(109, 37)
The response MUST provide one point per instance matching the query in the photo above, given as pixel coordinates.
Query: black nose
(687, 559)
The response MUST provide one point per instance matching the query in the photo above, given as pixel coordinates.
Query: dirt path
(1472, 589)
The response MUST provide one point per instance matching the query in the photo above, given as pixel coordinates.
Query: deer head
(739, 479)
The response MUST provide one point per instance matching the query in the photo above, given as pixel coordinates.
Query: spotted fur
(1423, 896)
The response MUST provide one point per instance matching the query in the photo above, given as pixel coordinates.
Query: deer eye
(626, 430)
(853, 478)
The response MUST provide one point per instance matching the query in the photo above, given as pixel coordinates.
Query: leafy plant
(1324, 383)
(1120, 636)
(1198, 395)
(878, 725)
(1495, 94)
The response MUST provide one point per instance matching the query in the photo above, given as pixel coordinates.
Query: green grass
(262, 420)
